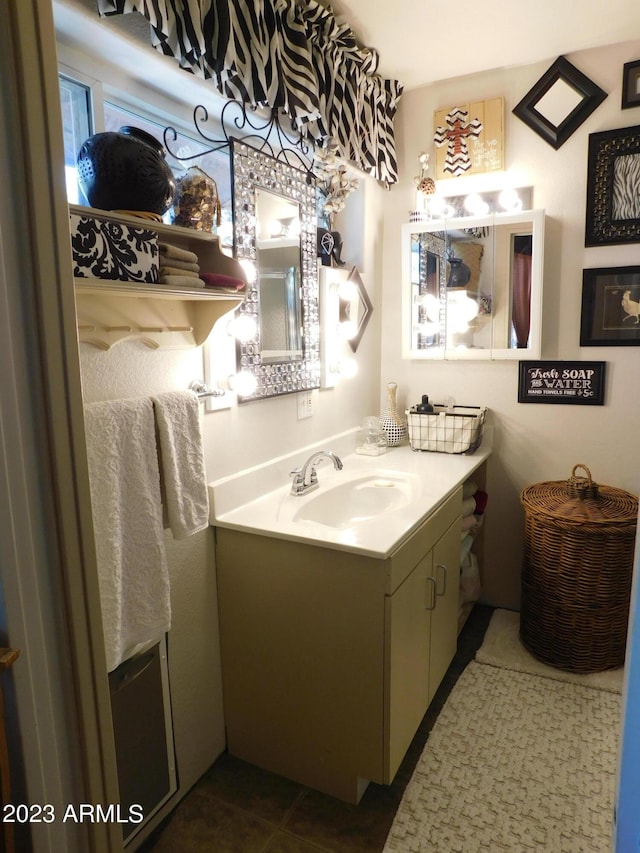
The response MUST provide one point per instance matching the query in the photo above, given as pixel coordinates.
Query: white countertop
(236, 502)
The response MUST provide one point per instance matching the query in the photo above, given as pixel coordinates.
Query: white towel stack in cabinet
(474, 502)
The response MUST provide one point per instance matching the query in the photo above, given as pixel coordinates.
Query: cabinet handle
(434, 592)
(444, 578)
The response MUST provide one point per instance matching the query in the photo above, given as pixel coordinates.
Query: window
(77, 125)
(216, 164)
(79, 103)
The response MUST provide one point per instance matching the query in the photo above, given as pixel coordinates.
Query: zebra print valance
(284, 54)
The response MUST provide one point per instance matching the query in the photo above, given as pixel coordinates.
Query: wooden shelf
(160, 316)
(109, 311)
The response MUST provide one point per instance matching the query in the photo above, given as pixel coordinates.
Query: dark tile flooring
(238, 808)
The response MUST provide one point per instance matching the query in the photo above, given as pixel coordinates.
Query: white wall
(533, 443)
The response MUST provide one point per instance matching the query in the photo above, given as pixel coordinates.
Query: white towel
(468, 506)
(127, 517)
(182, 462)
(469, 489)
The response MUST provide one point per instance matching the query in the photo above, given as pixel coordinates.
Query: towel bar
(203, 391)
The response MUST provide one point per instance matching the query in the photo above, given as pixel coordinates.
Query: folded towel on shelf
(168, 250)
(469, 489)
(468, 506)
(181, 281)
(170, 265)
(481, 498)
(469, 522)
(227, 282)
(127, 516)
(465, 546)
(470, 588)
(184, 481)
(166, 270)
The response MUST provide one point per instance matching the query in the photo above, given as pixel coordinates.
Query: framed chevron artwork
(469, 138)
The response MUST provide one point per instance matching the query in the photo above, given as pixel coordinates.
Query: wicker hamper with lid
(576, 579)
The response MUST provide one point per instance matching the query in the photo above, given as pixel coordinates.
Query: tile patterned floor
(238, 808)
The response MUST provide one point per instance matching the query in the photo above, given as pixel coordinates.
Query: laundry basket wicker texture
(576, 580)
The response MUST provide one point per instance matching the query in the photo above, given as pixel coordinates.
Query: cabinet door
(409, 619)
(444, 619)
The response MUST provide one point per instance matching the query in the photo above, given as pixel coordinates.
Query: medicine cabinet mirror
(472, 287)
(274, 225)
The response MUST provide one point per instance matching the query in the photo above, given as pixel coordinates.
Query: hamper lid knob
(581, 487)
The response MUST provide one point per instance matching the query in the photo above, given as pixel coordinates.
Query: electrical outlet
(305, 405)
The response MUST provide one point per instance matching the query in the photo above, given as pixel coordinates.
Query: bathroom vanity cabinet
(330, 658)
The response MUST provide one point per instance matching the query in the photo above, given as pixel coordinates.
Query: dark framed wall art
(631, 84)
(613, 187)
(610, 307)
(559, 102)
(581, 383)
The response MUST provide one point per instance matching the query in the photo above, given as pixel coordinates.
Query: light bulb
(510, 200)
(243, 327)
(249, 270)
(436, 206)
(243, 383)
(276, 228)
(431, 305)
(475, 205)
(461, 310)
(347, 290)
(348, 367)
(347, 330)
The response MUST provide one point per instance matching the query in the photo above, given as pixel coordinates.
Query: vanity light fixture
(507, 200)
(220, 359)
(338, 318)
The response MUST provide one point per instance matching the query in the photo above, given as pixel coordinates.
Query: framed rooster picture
(610, 307)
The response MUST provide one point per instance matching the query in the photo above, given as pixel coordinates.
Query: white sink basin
(368, 507)
(361, 499)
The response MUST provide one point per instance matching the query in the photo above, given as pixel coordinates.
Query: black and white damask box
(113, 250)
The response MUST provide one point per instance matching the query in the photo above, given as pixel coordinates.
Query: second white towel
(182, 462)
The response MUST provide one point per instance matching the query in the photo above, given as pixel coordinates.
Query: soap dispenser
(425, 406)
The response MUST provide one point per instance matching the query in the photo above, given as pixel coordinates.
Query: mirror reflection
(274, 231)
(474, 287)
(278, 266)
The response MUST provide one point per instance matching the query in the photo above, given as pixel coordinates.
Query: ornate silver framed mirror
(275, 232)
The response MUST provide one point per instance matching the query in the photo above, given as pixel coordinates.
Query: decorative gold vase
(394, 427)
(196, 203)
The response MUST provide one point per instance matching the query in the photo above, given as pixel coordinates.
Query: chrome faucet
(305, 478)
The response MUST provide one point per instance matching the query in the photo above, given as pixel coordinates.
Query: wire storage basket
(449, 429)
(576, 579)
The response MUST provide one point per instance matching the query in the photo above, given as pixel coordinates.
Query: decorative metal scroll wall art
(264, 130)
